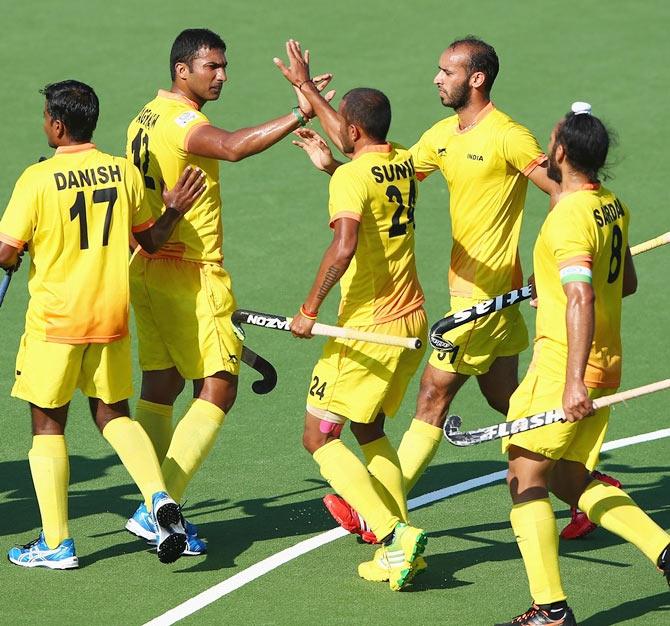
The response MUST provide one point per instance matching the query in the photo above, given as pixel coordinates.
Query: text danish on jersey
(88, 177)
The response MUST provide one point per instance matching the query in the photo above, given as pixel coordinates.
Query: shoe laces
(30, 544)
(520, 619)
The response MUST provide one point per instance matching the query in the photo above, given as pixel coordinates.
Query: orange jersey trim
(190, 132)
(410, 308)
(584, 260)
(478, 118)
(421, 176)
(383, 148)
(10, 241)
(171, 95)
(80, 340)
(351, 215)
(80, 147)
(143, 226)
(533, 164)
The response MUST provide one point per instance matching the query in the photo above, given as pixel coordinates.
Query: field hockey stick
(661, 240)
(486, 307)
(4, 285)
(498, 431)
(264, 368)
(279, 322)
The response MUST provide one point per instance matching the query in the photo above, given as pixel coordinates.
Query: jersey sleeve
(424, 156)
(571, 238)
(521, 150)
(182, 124)
(141, 217)
(348, 195)
(20, 218)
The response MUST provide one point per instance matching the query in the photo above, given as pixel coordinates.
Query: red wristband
(307, 314)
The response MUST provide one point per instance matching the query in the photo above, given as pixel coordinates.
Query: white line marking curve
(289, 554)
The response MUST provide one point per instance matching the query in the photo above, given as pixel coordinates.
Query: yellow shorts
(47, 373)
(182, 311)
(477, 344)
(578, 441)
(358, 379)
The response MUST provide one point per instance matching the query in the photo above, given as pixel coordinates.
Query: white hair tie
(578, 108)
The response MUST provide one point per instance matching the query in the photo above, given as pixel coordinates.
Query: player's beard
(459, 97)
(553, 170)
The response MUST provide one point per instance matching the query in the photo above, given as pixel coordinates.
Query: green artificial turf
(259, 492)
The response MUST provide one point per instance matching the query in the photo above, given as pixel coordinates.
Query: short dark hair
(370, 109)
(482, 58)
(75, 105)
(189, 42)
(586, 141)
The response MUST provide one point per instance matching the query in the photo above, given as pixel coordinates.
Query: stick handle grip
(413, 343)
(629, 394)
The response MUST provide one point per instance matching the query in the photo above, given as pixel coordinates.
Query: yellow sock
(50, 468)
(383, 464)
(156, 419)
(349, 478)
(417, 449)
(192, 440)
(534, 526)
(137, 454)
(615, 510)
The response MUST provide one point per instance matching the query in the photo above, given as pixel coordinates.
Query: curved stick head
(452, 431)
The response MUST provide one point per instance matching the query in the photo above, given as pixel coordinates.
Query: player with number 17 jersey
(85, 202)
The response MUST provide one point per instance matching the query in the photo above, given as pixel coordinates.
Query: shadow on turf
(644, 607)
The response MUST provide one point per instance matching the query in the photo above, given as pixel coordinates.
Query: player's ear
(559, 153)
(477, 79)
(181, 70)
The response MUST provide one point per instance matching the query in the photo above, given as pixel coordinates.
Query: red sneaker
(610, 480)
(348, 518)
(580, 525)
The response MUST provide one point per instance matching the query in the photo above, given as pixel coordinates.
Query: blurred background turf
(259, 492)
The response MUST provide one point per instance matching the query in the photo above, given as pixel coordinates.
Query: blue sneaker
(170, 533)
(38, 554)
(141, 524)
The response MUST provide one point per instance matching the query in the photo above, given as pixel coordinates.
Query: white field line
(303, 547)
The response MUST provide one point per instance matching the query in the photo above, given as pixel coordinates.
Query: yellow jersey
(485, 166)
(378, 189)
(75, 212)
(157, 144)
(587, 228)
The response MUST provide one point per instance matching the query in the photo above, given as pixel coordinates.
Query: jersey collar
(164, 93)
(590, 186)
(385, 148)
(479, 117)
(80, 147)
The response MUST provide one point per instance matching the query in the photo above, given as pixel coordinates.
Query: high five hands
(297, 73)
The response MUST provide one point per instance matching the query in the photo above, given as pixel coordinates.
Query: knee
(312, 441)
(433, 402)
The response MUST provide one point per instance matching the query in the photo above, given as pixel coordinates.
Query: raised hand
(316, 148)
(298, 74)
(187, 189)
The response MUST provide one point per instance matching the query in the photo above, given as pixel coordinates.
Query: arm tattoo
(331, 277)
